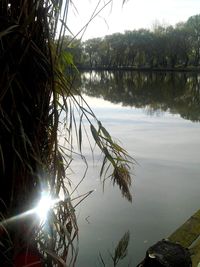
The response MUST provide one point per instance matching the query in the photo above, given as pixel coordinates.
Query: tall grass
(34, 92)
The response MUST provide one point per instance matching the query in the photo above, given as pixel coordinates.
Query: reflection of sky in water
(165, 186)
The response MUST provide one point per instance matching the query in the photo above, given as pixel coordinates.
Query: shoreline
(143, 69)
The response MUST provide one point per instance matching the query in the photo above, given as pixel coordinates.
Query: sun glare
(44, 206)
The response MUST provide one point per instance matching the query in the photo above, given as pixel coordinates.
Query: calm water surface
(156, 118)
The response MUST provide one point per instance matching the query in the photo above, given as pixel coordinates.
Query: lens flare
(44, 205)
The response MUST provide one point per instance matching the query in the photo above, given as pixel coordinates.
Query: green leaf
(95, 136)
(103, 166)
(67, 57)
(80, 133)
(106, 133)
(121, 249)
(109, 157)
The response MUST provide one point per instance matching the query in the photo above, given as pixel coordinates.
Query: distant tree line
(162, 47)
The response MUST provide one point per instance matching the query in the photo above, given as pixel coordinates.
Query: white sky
(134, 14)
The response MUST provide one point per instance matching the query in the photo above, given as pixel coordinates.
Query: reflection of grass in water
(34, 91)
(121, 251)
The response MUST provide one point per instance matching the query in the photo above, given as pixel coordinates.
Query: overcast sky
(134, 14)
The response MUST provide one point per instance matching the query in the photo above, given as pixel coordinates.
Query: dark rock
(166, 254)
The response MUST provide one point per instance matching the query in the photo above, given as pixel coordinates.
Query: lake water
(155, 116)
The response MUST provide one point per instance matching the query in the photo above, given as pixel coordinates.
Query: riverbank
(188, 236)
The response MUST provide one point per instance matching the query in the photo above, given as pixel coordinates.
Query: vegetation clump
(35, 95)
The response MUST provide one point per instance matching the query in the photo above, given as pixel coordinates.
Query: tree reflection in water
(177, 93)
